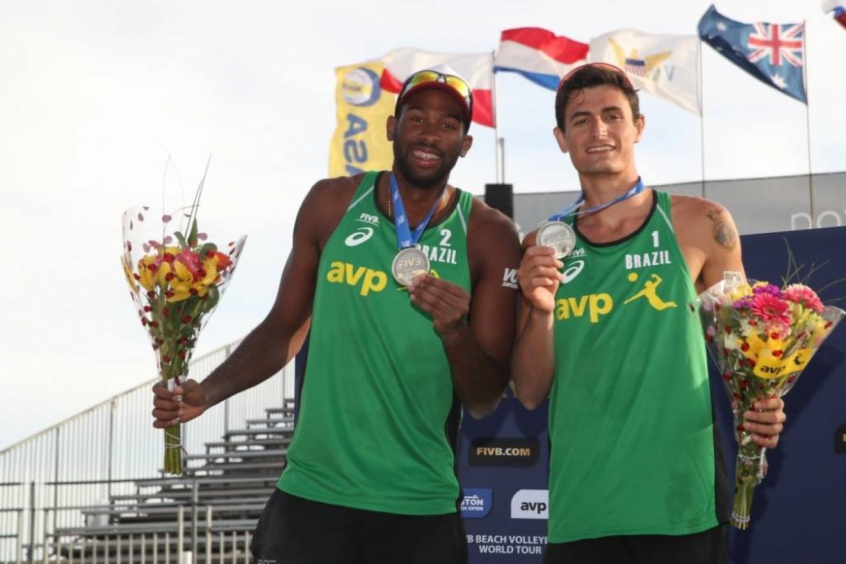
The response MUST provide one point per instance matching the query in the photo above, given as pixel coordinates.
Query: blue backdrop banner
(799, 510)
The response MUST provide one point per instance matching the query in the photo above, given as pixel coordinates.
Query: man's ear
(561, 139)
(640, 125)
(391, 127)
(466, 144)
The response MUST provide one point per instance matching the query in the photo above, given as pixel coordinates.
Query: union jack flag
(779, 42)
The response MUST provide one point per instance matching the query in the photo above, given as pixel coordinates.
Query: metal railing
(101, 451)
(210, 545)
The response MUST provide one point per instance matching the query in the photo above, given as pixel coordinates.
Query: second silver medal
(558, 235)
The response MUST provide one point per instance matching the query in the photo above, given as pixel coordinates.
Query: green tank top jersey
(630, 408)
(378, 393)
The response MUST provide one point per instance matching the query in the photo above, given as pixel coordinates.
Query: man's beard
(435, 177)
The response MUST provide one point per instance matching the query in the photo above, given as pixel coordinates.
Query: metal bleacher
(209, 511)
(91, 489)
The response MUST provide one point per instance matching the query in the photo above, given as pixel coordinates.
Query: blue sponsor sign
(476, 503)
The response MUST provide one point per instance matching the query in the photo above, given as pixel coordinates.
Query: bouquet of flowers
(176, 279)
(762, 337)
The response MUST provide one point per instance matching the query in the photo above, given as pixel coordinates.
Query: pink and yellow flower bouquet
(176, 279)
(762, 337)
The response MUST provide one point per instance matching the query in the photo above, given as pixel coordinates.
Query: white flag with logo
(664, 65)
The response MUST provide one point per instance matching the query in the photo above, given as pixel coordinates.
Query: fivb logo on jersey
(362, 234)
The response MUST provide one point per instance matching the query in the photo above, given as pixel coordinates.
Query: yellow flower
(161, 275)
(740, 292)
(755, 345)
(147, 271)
(200, 288)
(210, 266)
(181, 282)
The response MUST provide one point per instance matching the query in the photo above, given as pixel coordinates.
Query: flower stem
(173, 450)
(742, 506)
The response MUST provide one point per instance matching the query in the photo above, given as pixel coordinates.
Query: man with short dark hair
(399, 276)
(635, 469)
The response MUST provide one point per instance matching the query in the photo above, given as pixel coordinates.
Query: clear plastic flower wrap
(176, 277)
(762, 337)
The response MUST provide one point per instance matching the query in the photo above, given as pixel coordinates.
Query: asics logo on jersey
(572, 271)
(359, 236)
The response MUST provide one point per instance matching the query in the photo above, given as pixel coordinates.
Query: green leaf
(192, 237)
(206, 248)
(181, 238)
(212, 299)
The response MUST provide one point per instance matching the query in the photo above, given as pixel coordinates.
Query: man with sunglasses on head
(399, 277)
(636, 474)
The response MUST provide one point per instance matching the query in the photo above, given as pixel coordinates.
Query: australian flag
(772, 53)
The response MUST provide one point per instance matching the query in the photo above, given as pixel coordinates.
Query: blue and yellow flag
(360, 141)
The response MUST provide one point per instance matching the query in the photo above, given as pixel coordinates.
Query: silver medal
(408, 264)
(558, 235)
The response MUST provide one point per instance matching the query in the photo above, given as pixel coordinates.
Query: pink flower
(192, 262)
(802, 295)
(770, 309)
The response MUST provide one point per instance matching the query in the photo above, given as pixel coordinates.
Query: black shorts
(707, 547)
(293, 530)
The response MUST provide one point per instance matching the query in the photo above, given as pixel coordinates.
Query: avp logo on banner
(530, 504)
(476, 503)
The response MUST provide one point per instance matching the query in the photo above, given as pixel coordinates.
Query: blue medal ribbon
(405, 237)
(569, 210)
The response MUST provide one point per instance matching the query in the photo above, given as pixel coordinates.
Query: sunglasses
(428, 76)
(603, 66)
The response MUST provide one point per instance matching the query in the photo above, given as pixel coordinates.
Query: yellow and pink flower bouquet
(762, 337)
(176, 278)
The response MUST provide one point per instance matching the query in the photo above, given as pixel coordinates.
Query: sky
(98, 97)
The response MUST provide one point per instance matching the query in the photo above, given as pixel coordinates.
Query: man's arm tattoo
(724, 233)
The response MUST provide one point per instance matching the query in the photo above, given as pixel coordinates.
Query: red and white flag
(475, 68)
(539, 55)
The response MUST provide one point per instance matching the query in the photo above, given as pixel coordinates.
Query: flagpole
(702, 117)
(500, 172)
(808, 126)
